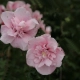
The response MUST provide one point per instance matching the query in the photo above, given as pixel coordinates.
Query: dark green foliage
(64, 18)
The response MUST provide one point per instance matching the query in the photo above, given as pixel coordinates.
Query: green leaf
(72, 45)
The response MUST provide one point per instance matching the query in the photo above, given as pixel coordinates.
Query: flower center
(43, 54)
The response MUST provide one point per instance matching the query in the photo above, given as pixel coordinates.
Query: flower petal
(22, 14)
(29, 58)
(48, 62)
(6, 38)
(31, 24)
(4, 29)
(45, 70)
(41, 64)
(30, 54)
(30, 62)
(6, 18)
(60, 55)
(26, 38)
(33, 32)
(36, 41)
(19, 43)
(52, 44)
(8, 31)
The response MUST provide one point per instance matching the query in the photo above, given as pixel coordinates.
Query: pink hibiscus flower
(19, 27)
(13, 5)
(44, 54)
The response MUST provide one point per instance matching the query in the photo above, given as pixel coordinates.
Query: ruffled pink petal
(10, 5)
(4, 29)
(8, 31)
(60, 55)
(19, 43)
(27, 7)
(30, 62)
(2, 9)
(45, 70)
(42, 25)
(31, 24)
(36, 41)
(48, 30)
(36, 60)
(37, 15)
(26, 38)
(18, 4)
(47, 36)
(30, 54)
(22, 14)
(52, 44)
(40, 64)
(48, 62)
(33, 32)
(6, 18)
(30, 57)
(6, 38)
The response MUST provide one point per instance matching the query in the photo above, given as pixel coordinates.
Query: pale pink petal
(58, 64)
(36, 60)
(8, 31)
(22, 24)
(18, 4)
(48, 29)
(48, 62)
(27, 7)
(4, 29)
(26, 38)
(37, 15)
(42, 25)
(52, 44)
(29, 58)
(41, 64)
(45, 70)
(33, 32)
(35, 42)
(22, 14)
(6, 18)
(19, 43)
(47, 36)
(31, 24)
(30, 54)
(2, 9)
(10, 5)
(30, 62)
(6, 38)
(60, 55)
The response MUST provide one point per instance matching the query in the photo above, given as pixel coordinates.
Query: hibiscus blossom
(19, 27)
(44, 54)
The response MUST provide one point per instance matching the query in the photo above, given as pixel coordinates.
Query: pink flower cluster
(12, 6)
(19, 26)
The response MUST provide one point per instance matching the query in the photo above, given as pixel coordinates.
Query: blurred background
(64, 18)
